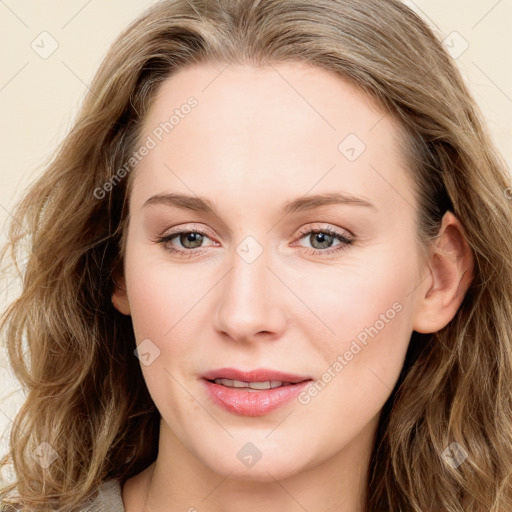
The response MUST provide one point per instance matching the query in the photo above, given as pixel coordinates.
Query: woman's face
(271, 151)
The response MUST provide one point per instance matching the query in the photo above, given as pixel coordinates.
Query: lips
(223, 388)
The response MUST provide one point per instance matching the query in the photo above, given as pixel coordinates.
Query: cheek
(159, 301)
(162, 294)
(367, 313)
(354, 294)
(165, 301)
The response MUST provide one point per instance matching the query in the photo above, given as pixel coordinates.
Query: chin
(266, 469)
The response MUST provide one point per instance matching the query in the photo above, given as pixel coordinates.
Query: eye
(189, 240)
(322, 239)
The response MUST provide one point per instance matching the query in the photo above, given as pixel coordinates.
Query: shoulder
(108, 498)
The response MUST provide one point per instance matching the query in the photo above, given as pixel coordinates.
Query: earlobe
(451, 265)
(119, 296)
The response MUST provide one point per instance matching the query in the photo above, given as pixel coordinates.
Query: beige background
(39, 96)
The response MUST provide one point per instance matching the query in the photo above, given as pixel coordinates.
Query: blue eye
(189, 240)
(324, 238)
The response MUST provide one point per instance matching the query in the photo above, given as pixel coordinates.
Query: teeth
(270, 384)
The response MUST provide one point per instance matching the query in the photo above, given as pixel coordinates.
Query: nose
(250, 301)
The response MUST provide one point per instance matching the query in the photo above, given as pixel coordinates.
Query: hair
(73, 351)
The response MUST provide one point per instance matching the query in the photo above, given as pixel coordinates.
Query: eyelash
(344, 241)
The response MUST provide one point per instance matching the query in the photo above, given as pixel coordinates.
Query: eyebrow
(305, 203)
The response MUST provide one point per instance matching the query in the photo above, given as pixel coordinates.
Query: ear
(119, 295)
(451, 265)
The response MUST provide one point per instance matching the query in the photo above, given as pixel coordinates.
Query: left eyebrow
(195, 203)
(201, 204)
(315, 201)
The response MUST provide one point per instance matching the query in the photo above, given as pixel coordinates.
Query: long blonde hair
(73, 352)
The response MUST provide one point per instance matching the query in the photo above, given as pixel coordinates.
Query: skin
(259, 138)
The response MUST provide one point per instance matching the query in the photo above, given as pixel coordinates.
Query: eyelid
(189, 227)
(324, 226)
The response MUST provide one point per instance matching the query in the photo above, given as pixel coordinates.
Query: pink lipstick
(255, 392)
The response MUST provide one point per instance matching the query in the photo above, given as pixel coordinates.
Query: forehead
(291, 124)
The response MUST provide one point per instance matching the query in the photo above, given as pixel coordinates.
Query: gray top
(108, 498)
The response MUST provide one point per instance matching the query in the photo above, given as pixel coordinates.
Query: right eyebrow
(198, 204)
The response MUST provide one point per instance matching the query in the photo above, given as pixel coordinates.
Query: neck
(179, 481)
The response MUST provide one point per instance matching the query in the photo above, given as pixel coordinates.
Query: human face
(257, 289)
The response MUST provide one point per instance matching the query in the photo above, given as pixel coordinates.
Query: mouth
(254, 386)
(255, 392)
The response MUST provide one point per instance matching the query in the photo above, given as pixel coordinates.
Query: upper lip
(256, 375)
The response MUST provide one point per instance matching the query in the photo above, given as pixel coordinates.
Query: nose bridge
(247, 304)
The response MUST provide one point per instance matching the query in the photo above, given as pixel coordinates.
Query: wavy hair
(73, 351)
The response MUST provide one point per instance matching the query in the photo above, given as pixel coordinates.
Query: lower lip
(255, 402)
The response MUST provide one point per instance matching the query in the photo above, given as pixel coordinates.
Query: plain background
(40, 93)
